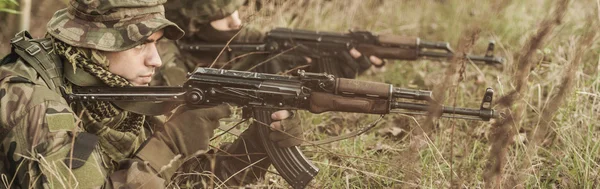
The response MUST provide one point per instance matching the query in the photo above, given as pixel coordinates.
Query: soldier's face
(232, 22)
(136, 64)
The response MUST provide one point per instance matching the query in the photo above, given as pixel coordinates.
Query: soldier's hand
(191, 129)
(287, 130)
(375, 61)
(186, 133)
(350, 64)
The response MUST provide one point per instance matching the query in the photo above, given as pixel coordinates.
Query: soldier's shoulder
(21, 90)
(20, 72)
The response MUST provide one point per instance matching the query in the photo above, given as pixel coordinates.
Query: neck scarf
(119, 130)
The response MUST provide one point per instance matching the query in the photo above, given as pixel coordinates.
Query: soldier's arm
(39, 136)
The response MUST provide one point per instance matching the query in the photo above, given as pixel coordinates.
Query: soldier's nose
(153, 58)
(235, 22)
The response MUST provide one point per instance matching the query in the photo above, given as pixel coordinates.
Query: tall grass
(549, 83)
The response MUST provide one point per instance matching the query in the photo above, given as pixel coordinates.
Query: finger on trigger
(354, 53)
(308, 60)
(280, 115)
(276, 126)
(375, 60)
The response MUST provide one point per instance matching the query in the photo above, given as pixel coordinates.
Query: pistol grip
(289, 162)
(329, 65)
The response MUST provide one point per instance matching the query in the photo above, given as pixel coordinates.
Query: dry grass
(462, 154)
(511, 105)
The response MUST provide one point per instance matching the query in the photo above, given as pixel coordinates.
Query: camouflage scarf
(99, 110)
(119, 130)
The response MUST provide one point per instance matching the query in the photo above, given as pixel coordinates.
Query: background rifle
(317, 45)
(264, 94)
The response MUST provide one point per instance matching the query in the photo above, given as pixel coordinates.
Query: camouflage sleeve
(39, 128)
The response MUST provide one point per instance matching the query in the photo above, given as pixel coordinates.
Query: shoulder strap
(37, 53)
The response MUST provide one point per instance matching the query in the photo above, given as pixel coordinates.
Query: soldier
(218, 21)
(50, 143)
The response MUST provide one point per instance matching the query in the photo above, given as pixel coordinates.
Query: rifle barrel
(436, 45)
(484, 114)
(486, 59)
(411, 94)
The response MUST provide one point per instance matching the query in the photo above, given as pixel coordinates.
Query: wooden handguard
(392, 47)
(363, 87)
(322, 102)
(388, 52)
(396, 40)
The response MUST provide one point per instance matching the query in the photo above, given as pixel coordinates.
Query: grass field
(548, 92)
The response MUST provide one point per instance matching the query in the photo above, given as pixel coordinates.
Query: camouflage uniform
(49, 143)
(41, 130)
(195, 16)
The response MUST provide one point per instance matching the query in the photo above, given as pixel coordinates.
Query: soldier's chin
(139, 84)
(141, 81)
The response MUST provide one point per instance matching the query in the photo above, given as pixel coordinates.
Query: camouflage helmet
(111, 25)
(203, 11)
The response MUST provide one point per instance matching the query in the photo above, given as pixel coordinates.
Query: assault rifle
(317, 45)
(264, 94)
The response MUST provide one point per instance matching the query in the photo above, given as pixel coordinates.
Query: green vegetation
(9, 6)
